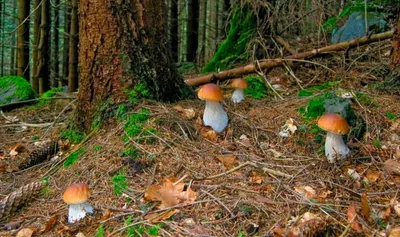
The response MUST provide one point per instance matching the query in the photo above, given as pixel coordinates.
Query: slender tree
(174, 39)
(23, 39)
(73, 48)
(123, 49)
(55, 44)
(43, 49)
(65, 57)
(192, 29)
(36, 37)
(2, 39)
(393, 80)
(202, 35)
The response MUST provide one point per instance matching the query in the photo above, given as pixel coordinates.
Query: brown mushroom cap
(333, 123)
(76, 193)
(210, 92)
(239, 83)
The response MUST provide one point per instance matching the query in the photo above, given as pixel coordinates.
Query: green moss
(97, 148)
(390, 115)
(119, 182)
(35, 137)
(23, 90)
(120, 114)
(141, 230)
(139, 91)
(73, 157)
(364, 99)
(135, 122)
(101, 115)
(318, 88)
(73, 136)
(233, 49)
(256, 87)
(48, 94)
(131, 153)
(100, 232)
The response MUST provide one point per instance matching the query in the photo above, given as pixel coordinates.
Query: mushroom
(76, 196)
(336, 126)
(214, 114)
(239, 84)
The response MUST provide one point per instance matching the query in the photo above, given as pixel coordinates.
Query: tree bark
(2, 13)
(192, 30)
(73, 48)
(13, 51)
(67, 18)
(202, 35)
(23, 39)
(392, 82)
(42, 72)
(122, 47)
(36, 36)
(55, 44)
(277, 62)
(174, 39)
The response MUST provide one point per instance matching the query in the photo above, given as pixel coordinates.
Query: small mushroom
(239, 84)
(76, 196)
(214, 114)
(335, 126)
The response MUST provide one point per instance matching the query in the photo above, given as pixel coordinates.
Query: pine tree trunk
(42, 72)
(174, 40)
(123, 47)
(192, 30)
(67, 18)
(36, 35)
(202, 34)
(55, 42)
(1, 39)
(13, 51)
(392, 82)
(73, 48)
(23, 39)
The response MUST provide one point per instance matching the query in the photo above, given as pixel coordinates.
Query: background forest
(105, 96)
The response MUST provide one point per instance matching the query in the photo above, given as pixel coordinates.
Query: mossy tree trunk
(123, 47)
(23, 39)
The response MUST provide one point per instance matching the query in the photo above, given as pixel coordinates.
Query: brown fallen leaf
(50, 223)
(306, 191)
(25, 232)
(157, 217)
(365, 207)
(396, 206)
(80, 234)
(392, 167)
(394, 232)
(188, 113)
(229, 161)
(2, 167)
(256, 178)
(372, 175)
(208, 133)
(352, 218)
(15, 150)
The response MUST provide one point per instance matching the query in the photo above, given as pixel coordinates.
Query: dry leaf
(353, 174)
(170, 194)
(324, 194)
(15, 150)
(2, 167)
(208, 133)
(25, 232)
(396, 207)
(372, 175)
(385, 214)
(229, 161)
(306, 191)
(256, 178)
(157, 217)
(394, 232)
(352, 218)
(80, 234)
(50, 224)
(392, 167)
(365, 207)
(288, 128)
(188, 113)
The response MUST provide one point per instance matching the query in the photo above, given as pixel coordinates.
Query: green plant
(35, 137)
(43, 100)
(73, 136)
(73, 157)
(120, 114)
(241, 233)
(256, 87)
(97, 148)
(100, 231)
(377, 143)
(390, 115)
(131, 153)
(318, 88)
(140, 230)
(364, 99)
(135, 122)
(119, 182)
(100, 115)
(46, 190)
(139, 91)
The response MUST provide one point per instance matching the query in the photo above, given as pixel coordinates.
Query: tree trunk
(23, 39)
(55, 42)
(202, 35)
(192, 30)
(392, 82)
(174, 40)
(123, 50)
(36, 35)
(73, 48)
(42, 72)
(1, 39)
(13, 43)
(67, 18)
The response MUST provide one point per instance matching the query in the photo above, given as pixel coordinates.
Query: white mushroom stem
(334, 145)
(238, 95)
(215, 116)
(78, 211)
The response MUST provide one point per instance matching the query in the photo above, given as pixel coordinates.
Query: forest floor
(283, 186)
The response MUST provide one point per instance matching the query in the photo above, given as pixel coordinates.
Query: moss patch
(71, 159)
(233, 49)
(14, 89)
(73, 136)
(256, 87)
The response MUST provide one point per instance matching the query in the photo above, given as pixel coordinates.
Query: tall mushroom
(239, 84)
(76, 196)
(214, 114)
(335, 126)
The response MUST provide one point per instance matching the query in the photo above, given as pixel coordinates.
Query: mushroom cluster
(335, 126)
(76, 196)
(214, 114)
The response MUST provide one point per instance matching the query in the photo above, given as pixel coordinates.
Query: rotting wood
(277, 62)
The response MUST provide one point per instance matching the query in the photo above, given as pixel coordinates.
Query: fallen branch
(272, 63)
